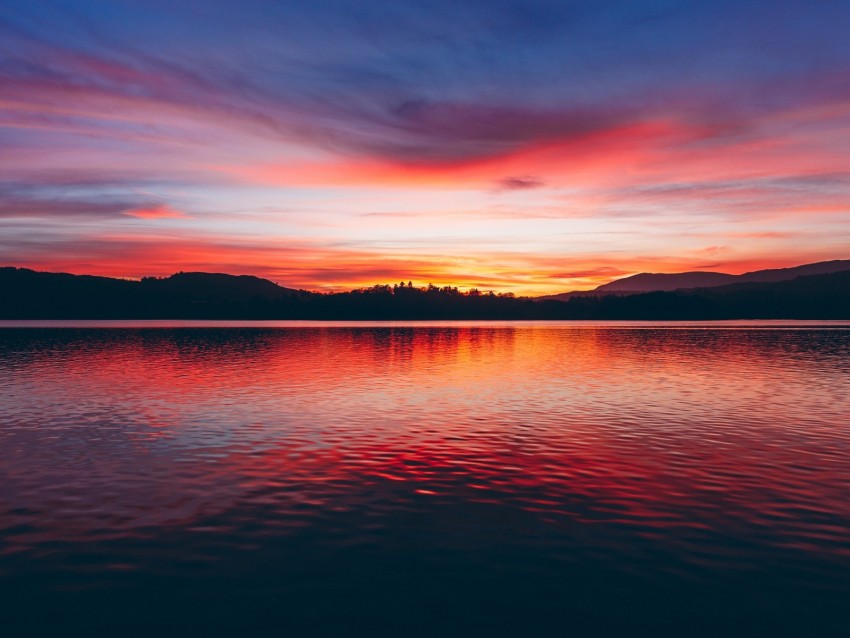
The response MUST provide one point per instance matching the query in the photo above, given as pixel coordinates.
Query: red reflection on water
(736, 430)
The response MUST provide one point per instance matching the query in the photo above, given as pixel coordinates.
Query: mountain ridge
(26, 294)
(668, 282)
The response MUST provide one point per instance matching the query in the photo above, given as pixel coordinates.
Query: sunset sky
(533, 147)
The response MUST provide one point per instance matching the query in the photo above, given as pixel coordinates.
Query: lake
(470, 478)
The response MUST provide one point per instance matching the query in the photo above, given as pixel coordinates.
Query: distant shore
(27, 294)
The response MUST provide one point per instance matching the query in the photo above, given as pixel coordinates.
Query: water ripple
(675, 457)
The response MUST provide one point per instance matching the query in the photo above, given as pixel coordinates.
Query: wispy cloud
(159, 211)
(517, 183)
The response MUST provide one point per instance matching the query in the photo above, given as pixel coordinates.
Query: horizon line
(406, 280)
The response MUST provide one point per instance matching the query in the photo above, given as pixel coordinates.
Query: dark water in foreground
(471, 479)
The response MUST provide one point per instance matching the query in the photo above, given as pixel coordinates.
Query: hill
(808, 297)
(656, 282)
(217, 286)
(652, 282)
(26, 293)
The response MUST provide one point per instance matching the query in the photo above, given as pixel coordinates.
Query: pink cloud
(158, 211)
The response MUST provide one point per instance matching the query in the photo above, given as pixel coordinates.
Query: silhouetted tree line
(25, 294)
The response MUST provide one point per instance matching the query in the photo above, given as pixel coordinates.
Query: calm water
(471, 479)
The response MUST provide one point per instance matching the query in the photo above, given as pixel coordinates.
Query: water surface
(425, 479)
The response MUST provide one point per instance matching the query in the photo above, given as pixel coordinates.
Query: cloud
(77, 201)
(452, 131)
(603, 271)
(414, 84)
(26, 202)
(519, 183)
(158, 211)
